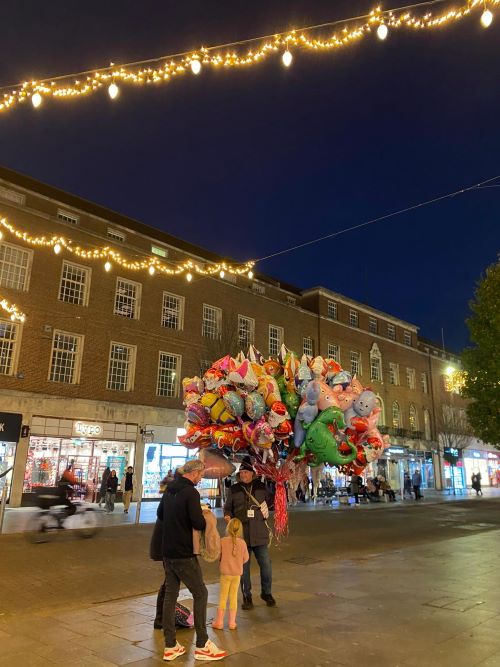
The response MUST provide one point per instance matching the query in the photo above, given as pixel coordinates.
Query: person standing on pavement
(248, 501)
(476, 483)
(111, 489)
(127, 484)
(181, 512)
(355, 488)
(416, 481)
(102, 490)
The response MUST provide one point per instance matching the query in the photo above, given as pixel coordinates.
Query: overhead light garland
(166, 68)
(110, 256)
(11, 309)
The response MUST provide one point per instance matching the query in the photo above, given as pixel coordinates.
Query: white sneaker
(174, 652)
(209, 652)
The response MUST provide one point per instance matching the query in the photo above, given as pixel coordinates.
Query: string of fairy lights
(258, 49)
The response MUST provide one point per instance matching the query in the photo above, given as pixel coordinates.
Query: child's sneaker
(174, 652)
(209, 652)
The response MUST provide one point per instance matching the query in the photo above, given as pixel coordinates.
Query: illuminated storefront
(485, 462)
(10, 431)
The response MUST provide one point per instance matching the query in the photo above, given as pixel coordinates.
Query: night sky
(247, 162)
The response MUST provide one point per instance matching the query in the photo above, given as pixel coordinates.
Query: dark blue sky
(249, 162)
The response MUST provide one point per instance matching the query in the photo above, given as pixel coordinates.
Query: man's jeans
(187, 570)
(266, 574)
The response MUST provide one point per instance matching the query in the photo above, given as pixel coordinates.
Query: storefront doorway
(10, 431)
(486, 463)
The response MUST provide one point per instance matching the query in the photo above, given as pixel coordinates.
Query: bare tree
(225, 340)
(454, 433)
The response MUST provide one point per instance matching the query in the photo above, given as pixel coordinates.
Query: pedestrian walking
(416, 481)
(181, 513)
(407, 485)
(476, 483)
(248, 501)
(355, 488)
(111, 489)
(128, 483)
(234, 554)
(102, 490)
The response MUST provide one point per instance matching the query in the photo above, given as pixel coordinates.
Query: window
(275, 339)
(70, 218)
(396, 415)
(413, 418)
(212, 321)
(332, 310)
(307, 346)
(246, 330)
(381, 416)
(230, 278)
(75, 281)
(353, 317)
(259, 289)
(391, 332)
(121, 367)
(168, 374)
(205, 364)
(423, 383)
(410, 378)
(375, 363)
(334, 352)
(172, 312)
(393, 373)
(427, 425)
(373, 325)
(161, 252)
(407, 338)
(127, 298)
(291, 300)
(11, 195)
(15, 265)
(355, 363)
(116, 235)
(9, 345)
(66, 357)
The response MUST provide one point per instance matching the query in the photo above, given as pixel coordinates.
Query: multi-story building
(93, 375)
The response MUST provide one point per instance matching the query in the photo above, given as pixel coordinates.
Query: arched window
(375, 363)
(381, 417)
(396, 415)
(413, 418)
(427, 425)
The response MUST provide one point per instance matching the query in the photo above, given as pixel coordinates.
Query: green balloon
(289, 398)
(321, 442)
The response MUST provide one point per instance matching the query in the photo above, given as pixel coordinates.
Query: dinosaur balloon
(322, 443)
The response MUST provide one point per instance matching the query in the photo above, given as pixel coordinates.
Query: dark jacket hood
(178, 484)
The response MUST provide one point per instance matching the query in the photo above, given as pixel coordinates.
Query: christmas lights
(167, 68)
(150, 264)
(12, 310)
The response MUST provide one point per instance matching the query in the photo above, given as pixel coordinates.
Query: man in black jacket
(248, 501)
(180, 511)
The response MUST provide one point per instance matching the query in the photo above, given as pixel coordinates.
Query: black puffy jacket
(237, 505)
(180, 511)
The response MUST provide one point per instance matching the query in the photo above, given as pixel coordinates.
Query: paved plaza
(414, 586)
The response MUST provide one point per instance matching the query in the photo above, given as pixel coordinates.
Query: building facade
(92, 377)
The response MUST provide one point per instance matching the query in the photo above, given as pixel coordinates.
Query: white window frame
(67, 217)
(180, 312)
(353, 318)
(308, 346)
(218, 322)
(373, 325)
(88, 271)
(333, 352)
(131, 366)
(413, 418)
(137, 298)
(355, 359)
(279, 339)
(291, 300)
(410, 378)
(391, 332)
(375, 363)
(399, 421)
(393, 374)
(16, 345)
(332, 310)
(116, 235)
(177, 373)
(29, 262)
(245, 344)
(424, 383)
(78, 356)
(407, 338)
(205, 364)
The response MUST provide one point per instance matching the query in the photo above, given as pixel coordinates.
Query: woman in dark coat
(102, 489)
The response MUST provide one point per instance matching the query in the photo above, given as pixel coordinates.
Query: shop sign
(451, 454)
(10, 426)
(492, 456)
(87, 429)
(396, 450)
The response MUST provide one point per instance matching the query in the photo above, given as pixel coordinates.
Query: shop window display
(7, 456)
(159, 459)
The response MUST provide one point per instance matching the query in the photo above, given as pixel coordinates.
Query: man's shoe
(268, 599)
(174, 652)
(209, 652)
(247, 602)
(158, 625)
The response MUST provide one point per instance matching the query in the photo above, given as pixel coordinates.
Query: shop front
(485, 462)
(398, 460)
(10, 432)
(453, 470)
(84, 446)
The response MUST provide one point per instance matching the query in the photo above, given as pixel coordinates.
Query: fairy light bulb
(189, 277)
(107, 266)
(486, 18)
(222, 274)
(113, 90)
(1, 236)
(36, 100)
(250, 275)
(195, 66)
(151, 270)
(13, 317)
(57, 248)
(382, 31)
(287, 58)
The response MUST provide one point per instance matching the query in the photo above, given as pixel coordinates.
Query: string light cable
(166, 68)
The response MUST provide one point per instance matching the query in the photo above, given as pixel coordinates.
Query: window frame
(330, 356)
(178, 366)
(218, 322)
(132, 365)
(29, 265)
(138, 298)
(400, 421)
(359, 372)
(394, 367)
(67, 217)
(332, 307)
(116, 235)
(88, 271)
(180, 316)
(407, 338)
(78, 357)
(391, 331)
(373, 325)
(16, 347)
(251, 341)
(353, 318)
(281, 336)
(413, 418)
(424, 382)
(410, 378)
(376, 356)
(311, 348)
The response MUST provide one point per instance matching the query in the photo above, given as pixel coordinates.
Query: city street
(400, 585)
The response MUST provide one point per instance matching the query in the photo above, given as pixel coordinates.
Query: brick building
(93, 374)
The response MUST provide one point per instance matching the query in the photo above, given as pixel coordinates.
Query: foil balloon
(197, 414)
(243, 377)
(255, 406)
(321, 442)
(234, 403)
(217, 409)
(216, 465)
(268, 389)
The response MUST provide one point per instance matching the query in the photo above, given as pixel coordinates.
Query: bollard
(138, 506)
(3, 502)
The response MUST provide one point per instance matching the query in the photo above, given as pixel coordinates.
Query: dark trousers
(159, 604)
(266, 572)
(416, 491)
(187, 570)
(356, 498)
